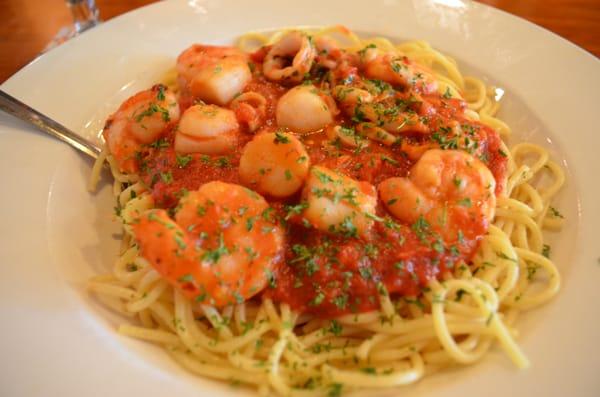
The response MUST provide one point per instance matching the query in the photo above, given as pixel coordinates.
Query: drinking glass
(85, 15)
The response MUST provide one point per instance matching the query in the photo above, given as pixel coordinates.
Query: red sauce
(169, 179)
(330, 275)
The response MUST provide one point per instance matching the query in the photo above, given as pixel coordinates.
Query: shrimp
(338, 204)
(141, 119)
(206, 129)
(274, 163)
(296, 46)
(213, 74)
(450, 189)
(397, 70)
(305, 109)
(220, 249)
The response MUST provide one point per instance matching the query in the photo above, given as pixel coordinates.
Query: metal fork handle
(18, 109)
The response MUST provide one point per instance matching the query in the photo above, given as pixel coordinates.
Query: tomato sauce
(330, 275)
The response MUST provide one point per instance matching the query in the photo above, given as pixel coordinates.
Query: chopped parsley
(304, 254)
(318, 299)
(389, 160)
(271, 278)
(359, 115)
(371, 250)
(160, 95)
(438, 246)
(281, 138)
(392, 225)
(347, 228)
(250, 223)
(460, 236)
(251, 254)
(223, 162)
(186, 278)
(152, 109)
(421, 227)
(182, 161)
(166, 177)
(379, 86)
(415, 302)
(555, 213)
(179, 241)
(366, 272)
(323, 177)
(466, 202)
(341, 301)
(531, 271)
(202, 297)
(335, 328)
(396, 65)
(335, 390)
(267, 214)
(238, 297)
(161, 143)
(546, 251)
(295, 209)
(459, 294)
(502, 255)
(213, 256)
(363, 51)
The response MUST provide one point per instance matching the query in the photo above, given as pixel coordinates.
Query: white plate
(55, 340)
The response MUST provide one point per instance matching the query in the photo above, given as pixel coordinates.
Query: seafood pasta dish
(313, 212)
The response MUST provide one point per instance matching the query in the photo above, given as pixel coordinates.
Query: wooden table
(28, 25)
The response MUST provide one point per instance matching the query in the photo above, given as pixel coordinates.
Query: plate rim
(128, 15)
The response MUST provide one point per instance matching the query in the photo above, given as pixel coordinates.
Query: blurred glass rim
(85, 15)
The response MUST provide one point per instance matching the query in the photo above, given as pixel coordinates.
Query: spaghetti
(301, 343)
